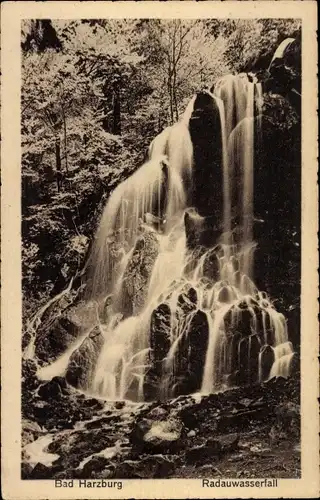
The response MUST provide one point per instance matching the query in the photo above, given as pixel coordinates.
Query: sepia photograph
(161, 175)
(161, 165)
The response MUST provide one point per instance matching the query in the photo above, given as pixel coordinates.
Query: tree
(181, 58)
(39, 35)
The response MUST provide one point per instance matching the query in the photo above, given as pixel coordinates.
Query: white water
(154, 200)
(237, 94)
(36, 452)
(283, 357)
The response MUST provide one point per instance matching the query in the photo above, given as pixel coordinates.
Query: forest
(94, 95)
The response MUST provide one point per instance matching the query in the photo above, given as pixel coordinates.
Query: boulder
(138, 272)
(198, 337)
(158, 436)
(187, 301)
(57, 333)
(53, 389)
(30, 432)
(82, 362)
(266, 361)
(160, 329)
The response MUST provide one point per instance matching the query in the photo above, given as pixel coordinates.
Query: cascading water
(185, 319)
(237, 94)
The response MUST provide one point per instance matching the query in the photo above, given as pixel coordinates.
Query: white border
(12, 13)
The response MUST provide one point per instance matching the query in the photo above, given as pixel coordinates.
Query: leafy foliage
(94, 94)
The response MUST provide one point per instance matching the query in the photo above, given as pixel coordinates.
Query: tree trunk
(174, 95)
(65, 138)
(170, 101)
(58, 164)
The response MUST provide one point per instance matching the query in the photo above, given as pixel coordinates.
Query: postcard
(159, 250)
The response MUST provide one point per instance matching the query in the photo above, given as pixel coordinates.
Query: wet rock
(137, 274)
(295, 365)
(30, 431)
(202, 233)
(189, 418)
(158, 436)
(119, 405)
(198, 336)
(103, 421)
(63, 410)
(266, 361)
(192, 433)
(243, 345)
(158, 433)
(78, 445)
(38, 411)
(224, 295)
(56, 334)
(151, 387)
(239, 319)
(193, 227)
(82, 362)
(207, 172)
(160, 329)
(276, 266)
(66, 474)
(158, 413)
(151, 467)
(53, 389)
(253, 352)
(187, 301)
(92, 403)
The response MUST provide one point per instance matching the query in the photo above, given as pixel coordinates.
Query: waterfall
(124, 212)
(283, 357)
(185, 318)
(237, 94)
